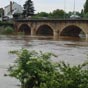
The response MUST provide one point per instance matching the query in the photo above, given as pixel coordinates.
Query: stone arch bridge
(54, 27)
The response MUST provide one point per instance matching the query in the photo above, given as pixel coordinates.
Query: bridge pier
(86, 36)
(33, 32)
(55, 35)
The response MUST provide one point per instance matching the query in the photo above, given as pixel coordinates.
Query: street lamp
(74, 9)
(64, 7)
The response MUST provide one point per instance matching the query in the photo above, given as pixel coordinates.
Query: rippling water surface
(73, 51)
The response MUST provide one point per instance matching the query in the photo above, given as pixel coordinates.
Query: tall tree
(86, 7)
(1, 12)
(42, 14)
(28, 8)
(58, 13)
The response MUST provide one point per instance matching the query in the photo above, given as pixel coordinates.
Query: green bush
(86, 15)
(8, 30)
(72, 77)
(2, 29)
(36, 70)
(32, 69)
(5, 23)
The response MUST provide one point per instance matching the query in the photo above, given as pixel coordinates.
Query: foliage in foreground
(36, 70)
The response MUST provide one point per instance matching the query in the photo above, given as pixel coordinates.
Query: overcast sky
(50, 5)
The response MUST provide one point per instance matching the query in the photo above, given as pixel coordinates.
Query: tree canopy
(58, 13)
(28, 8)
(1, 12)
(86, 7)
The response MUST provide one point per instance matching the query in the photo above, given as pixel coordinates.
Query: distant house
(12, 8)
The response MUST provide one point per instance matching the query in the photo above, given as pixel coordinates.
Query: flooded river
(73, 51)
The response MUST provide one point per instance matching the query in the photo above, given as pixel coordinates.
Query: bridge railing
(49, 19)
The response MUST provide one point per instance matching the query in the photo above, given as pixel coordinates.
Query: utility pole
(64, 8)
(74, 9)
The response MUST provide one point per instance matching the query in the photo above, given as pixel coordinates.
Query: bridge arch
(25, 28)
(72, 30)
(45, 30)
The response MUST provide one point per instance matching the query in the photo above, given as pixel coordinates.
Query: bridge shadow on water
(39, 37)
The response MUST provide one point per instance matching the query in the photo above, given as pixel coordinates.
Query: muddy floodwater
(73, 51)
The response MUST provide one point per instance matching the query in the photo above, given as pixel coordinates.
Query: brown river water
(71, 50)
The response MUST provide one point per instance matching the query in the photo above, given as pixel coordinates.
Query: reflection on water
(71, 50)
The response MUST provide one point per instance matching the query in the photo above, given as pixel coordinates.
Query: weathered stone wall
(56, 25)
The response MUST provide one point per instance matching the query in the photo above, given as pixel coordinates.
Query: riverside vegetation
(6, 28)
(36, 70)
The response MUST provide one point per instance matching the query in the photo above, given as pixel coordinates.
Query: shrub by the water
(36, 70)
(2, 29)
(8, 30)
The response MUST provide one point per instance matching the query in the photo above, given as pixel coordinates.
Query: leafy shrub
(86, 15)
(32, 69)
(8, 30)
(72, 77)
(2, 29)
(5, 23)
(36, 70)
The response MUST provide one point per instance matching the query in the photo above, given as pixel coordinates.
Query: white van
(74, 16)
